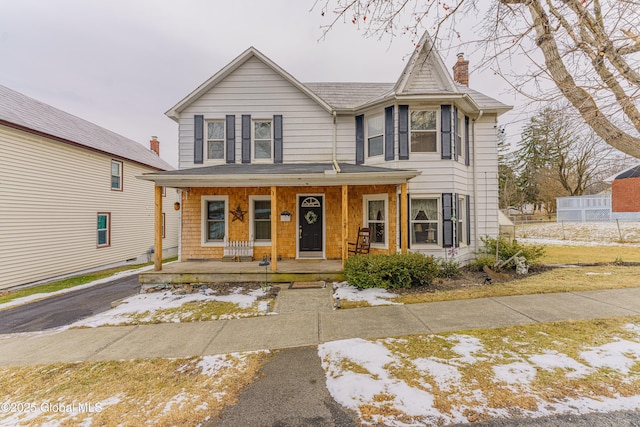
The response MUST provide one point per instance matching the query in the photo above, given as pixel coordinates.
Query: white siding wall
(51, 194)
(256, 89)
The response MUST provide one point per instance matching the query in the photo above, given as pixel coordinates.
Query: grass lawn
(551, 281)
(589, 254)
(158, 392)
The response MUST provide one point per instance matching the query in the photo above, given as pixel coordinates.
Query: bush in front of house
(392, 271)
(449, 269)
(506, 249)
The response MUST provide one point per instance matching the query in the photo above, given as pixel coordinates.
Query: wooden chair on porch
(363, 242)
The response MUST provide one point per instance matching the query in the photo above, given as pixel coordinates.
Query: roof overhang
(280, 175)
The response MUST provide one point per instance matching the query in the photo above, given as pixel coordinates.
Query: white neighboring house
(415, 160)
(69, 197)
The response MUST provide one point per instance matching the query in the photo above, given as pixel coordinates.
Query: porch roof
(290, 174)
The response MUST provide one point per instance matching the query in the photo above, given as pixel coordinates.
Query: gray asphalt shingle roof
(26, 112)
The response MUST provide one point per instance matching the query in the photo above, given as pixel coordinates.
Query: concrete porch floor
(221, 272)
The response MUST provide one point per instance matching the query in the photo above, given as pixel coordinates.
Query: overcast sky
(122, 63)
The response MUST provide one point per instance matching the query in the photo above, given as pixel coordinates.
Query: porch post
(404, 219)
(274, 228)
(157, 247)
(345, 222)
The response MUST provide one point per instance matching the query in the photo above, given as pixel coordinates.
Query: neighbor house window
(424, 131)
(424, 220)
(104, 229)
(262, 139)
(260, 218)
(375, 129)
(214, 220)
(215, 140)
(116, 175)
(375, 218)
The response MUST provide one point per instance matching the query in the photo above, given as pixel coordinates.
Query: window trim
(384, 197)
(204, 220)
(368, 137)
(437, 221)
(164, 225)
(108, 229)
(121, 166)
(206, 140)
(252, 199)
(437, 131)
(253, 141)
(461, 216)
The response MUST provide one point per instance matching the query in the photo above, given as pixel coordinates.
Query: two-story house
(296, 168)
(70, 200)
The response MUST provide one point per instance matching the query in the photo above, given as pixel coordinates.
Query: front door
(310, 226)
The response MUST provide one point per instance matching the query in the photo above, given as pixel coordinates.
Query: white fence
(592, 208)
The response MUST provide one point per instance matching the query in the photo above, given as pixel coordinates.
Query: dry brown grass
(159, 392)
(589, 254)
(516, 343)
(551, 281)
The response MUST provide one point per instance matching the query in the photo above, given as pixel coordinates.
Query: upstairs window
(262, 139)
(375, 129)
(424, 131)
(215, 140)
(116, 175)
(459, 132)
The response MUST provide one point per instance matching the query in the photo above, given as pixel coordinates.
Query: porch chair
(363, 242)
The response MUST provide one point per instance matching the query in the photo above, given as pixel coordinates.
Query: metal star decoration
(238, 214)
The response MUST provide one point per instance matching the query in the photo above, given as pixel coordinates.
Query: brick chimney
(154, 145)
(461, 70)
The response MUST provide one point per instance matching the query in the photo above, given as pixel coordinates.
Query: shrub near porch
(392, 271)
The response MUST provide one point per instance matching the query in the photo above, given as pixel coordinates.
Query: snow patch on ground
(359, 375)
(373, 296)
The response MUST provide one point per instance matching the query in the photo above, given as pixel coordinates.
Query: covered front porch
(214, 271)
(289, 214)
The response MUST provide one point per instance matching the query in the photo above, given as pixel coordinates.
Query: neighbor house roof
(631, 172)
(284, 174)
(27, 114)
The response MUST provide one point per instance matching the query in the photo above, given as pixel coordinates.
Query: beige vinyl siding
(51, 195)
(256, 89)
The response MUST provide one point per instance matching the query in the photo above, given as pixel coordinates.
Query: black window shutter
(467, 154)
(467, 217)
(359, 139)
(198, 139)
(389, 135)
(231, 138)
(447, 224)
(277, 139)
(246, 138)
(445, 131)
(403, 132)
(456, 133)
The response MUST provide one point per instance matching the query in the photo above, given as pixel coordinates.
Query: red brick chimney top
(461, 70)
(154, 145)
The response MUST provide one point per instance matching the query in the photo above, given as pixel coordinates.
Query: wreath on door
(311, 217)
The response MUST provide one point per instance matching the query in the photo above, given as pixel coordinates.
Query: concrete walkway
(307, 318)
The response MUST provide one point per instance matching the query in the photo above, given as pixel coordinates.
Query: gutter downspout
(475, 183)
(334, 154)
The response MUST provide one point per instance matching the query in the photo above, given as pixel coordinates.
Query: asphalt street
(66, 308)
